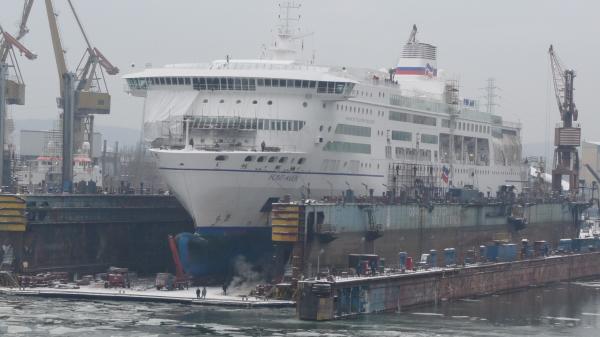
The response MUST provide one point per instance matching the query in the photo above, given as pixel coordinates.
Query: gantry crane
(567, 136)
(12, 89)
(83, 93)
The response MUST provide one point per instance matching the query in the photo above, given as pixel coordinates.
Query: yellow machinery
(12, 214)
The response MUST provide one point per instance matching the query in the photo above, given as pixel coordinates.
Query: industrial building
(35, 143)
(590, 155)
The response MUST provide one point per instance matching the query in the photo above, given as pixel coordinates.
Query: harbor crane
(12, 85)
(83, 93)
(567, 135)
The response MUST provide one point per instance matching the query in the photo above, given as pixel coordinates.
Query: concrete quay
(188, 296)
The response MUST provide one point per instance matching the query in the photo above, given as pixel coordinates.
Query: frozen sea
(565, 309)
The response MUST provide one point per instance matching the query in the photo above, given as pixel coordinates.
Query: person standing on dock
(197, 292)
(224, 288)
(204, 292)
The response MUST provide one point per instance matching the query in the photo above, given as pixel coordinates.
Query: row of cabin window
(246, 123)
(262, 159)
(411, 118)
(407, 137)
(411, 154)
(353, 130)
(473, 127)
(344, 107)
(237, 83)
(367, 94)
(464, 126)
(273, 159)
(347, 147)
(402, 169)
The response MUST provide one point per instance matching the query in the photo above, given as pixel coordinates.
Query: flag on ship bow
(445, 174)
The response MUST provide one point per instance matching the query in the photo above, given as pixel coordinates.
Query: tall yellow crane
(12, 89)
(83, 93)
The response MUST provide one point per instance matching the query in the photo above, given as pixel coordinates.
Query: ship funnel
(417, 59)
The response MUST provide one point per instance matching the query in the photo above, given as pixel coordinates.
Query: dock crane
(83, 93)
(12, 90)
(567, 136)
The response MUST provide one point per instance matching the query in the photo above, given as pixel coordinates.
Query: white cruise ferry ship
(232, 136)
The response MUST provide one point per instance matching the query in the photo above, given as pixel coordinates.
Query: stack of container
(565, 245)
(507, 252)
(449, 257)
(402, 258)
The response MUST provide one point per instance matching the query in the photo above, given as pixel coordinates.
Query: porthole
(270, 102)
(282, 160)
(254, 102)
(249, 158)
(304, 104)
(238, 101)
(222, 101)
(321, 128)
(272, 159)
(301, 161)
(205, 101)
(261, 159)
(221, 158)
(324, 105)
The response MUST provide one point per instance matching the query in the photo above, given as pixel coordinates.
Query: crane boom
(557, 78)
(23, 30)
(10, 40)
(563, 88)
(59, 54)
(105, 63)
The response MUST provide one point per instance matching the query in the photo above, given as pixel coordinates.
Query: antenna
(286, 23)
(288, 33)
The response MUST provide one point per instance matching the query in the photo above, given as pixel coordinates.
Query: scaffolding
(415, 182)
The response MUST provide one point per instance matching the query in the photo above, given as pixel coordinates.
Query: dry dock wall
(416, 230)
(393, 292)
(87, 233)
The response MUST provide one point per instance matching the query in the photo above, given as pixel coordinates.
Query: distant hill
(125, 136)
(537, 149)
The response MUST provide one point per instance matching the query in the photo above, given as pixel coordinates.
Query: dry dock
(87, 233)
(338, 298)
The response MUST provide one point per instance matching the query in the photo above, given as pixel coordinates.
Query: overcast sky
(477, 39)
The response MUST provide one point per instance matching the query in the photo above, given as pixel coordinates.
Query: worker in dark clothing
(197, 292)
(263, 146)
(204, 292)
(224, 288)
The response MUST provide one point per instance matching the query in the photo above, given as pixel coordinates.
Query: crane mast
(567, 136)
(83, 93)
(12, 90)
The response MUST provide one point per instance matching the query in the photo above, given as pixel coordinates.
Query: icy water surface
(567, 309)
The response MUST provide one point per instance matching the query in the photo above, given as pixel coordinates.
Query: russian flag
(445, 174)
(428, 70)
(410, 71)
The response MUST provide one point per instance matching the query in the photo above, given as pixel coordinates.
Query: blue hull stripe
(294, 172)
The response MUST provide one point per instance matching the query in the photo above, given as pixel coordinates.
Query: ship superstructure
(233, 136)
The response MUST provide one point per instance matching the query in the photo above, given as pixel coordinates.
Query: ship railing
(514, 125)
